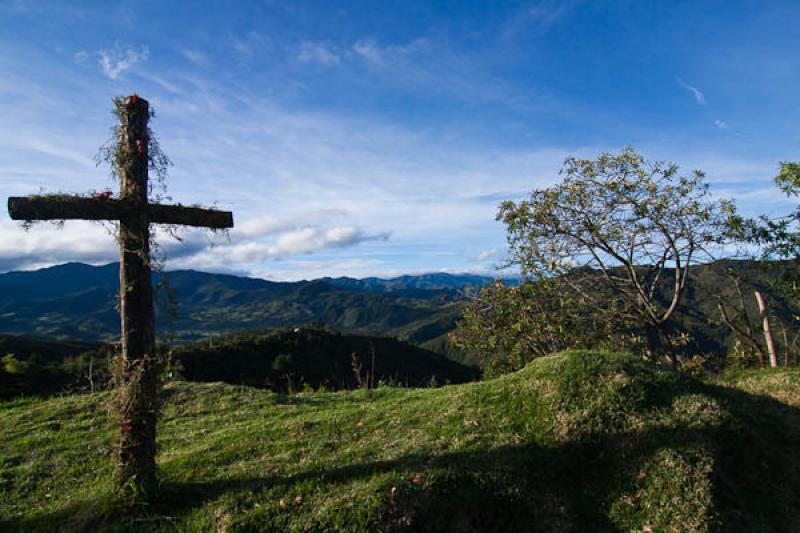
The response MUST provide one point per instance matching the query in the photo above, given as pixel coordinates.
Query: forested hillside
(293, 358)
(282, 359)
(78, 301)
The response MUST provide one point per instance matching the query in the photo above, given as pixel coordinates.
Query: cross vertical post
(138, 397)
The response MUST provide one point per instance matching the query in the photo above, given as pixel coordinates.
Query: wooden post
(138, 395)
(762, 308)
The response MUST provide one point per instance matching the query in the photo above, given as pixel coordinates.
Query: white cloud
(721, 124)
(537, 18)
(47, 148)
(486, 255)
(547, 12)
(268, 225)
(372, 52)
(430, 68)
(117, 60)
(252, 252)
(308, 240)
(246, 46)
(165, 84)
(81, 56)
(368, 50)
(699, 97)
(197, 58)
(47, 244)
(311, 52)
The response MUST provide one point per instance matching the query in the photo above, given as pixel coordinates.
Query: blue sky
(377, 138)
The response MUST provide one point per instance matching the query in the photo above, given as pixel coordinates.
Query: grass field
(579, 441)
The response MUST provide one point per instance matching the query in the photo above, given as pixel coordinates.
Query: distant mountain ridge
(430, 281)
(78, 301)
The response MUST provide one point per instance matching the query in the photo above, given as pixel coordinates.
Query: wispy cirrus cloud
(485, 255)
(245, 47)
(547, 12)
(115, 61)
(536, 18)
(698, 95)
(427, 66)
(321, 53)
(195, 57)
(371, 51)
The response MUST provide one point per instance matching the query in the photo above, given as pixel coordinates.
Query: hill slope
(287, 359)
(281, 359)
(578, 441)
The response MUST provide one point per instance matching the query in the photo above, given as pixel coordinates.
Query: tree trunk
(762, 308)
(747, 334)
(665, 348)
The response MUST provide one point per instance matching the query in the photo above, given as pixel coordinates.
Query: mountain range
(78, 301)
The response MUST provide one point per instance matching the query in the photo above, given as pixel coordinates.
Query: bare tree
(739, 321)
(639, 224)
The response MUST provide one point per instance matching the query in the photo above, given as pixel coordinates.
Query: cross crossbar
(61, 207)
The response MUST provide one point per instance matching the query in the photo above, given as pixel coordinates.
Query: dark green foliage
(506, 327)
(287, 359)
(709, 284)
(779, 237)
(31, 366)
(78, 301)
(580, 441)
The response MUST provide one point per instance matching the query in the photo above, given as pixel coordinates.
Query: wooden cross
(138, 398)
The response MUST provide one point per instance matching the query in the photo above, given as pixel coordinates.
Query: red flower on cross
(127, 426)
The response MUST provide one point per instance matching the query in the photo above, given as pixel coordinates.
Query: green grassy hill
(579, 441)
